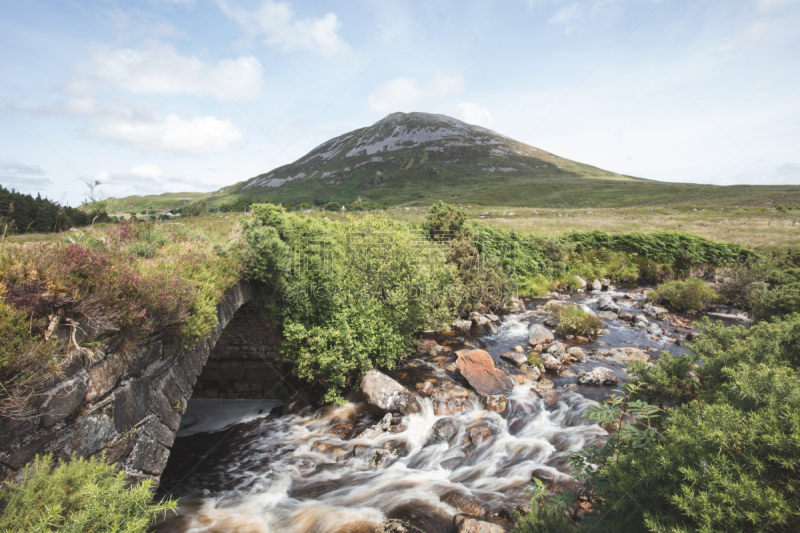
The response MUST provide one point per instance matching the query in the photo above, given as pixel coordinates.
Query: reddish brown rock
(466, 503)
(497, 404)
(343, 431)
(444, 404)
(478, 367)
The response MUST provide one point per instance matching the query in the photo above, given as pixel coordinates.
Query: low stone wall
(129, 406)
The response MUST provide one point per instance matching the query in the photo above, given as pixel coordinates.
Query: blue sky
(167, 96)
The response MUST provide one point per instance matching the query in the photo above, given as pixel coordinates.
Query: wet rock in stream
(597, 377)
(385, 393)
(478, 368)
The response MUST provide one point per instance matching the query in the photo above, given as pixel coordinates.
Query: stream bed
(244, 466)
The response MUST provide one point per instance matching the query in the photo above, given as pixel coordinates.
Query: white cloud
(16, 175)
(565, 14)
(276, 25)
(148, 171)
(168, 72)
(199, 136)
(474, 114)
(407, 94)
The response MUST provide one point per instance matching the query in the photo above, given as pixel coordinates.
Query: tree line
(22, 213)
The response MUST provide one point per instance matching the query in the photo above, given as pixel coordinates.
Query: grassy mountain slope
(419, 158)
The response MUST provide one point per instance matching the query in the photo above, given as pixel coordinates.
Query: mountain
(416, 158)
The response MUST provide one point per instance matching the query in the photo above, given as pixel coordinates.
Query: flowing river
(242, 466)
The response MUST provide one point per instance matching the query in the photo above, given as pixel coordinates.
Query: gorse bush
(724, 456)
(493, 264)
(348, 295)
(80, 496)
(690, 296)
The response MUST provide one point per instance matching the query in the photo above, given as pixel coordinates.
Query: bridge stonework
(128, 404)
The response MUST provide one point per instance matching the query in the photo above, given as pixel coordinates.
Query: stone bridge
(129, 405)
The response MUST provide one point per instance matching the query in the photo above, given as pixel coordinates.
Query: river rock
(458, 392)
(466, 502)
(462, 326)
(479, 320)
(577, 353)
(377, 429)
(446, 405)
(443, 431)
(385, 393)
(556, 348)
(425, 389)
(533, 372)
(624, 355)
(626, 316)
(343, 431)
(463, 523)
(606, 303)
(581, 281)
(517, 358)
(538, 334)
(424, 345)
(545, 384)
(640, 321)
(597, 285)
(397, 526)
(654, 311)
(497, 404)
(597, 377)
(478, 367)
(550, 396)
(551, 363)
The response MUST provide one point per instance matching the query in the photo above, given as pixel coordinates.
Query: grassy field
(756, 228)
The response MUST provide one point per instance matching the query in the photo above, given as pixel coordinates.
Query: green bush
(741, 283)
(332, 206)
(541, 519)
(778, 301)
(573, 320)
(349, 295)
(665, 247)
(78, 496)
(690, 296)
(724, 456)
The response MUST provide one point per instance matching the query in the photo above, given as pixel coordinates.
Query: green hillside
(419, 158)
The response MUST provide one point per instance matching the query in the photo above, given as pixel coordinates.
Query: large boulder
(538, 334)
(597, 377)
(597, 285)
(478, 367)
(464, 523)
(385, 393)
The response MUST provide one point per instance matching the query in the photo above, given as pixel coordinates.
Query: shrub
(541, 519)
(781, 300)
(665, 247)
(723, 458)
(78, 496)
(332, 206)
(690, 296)
(350, 294)
(573, 320)
(741, 283)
